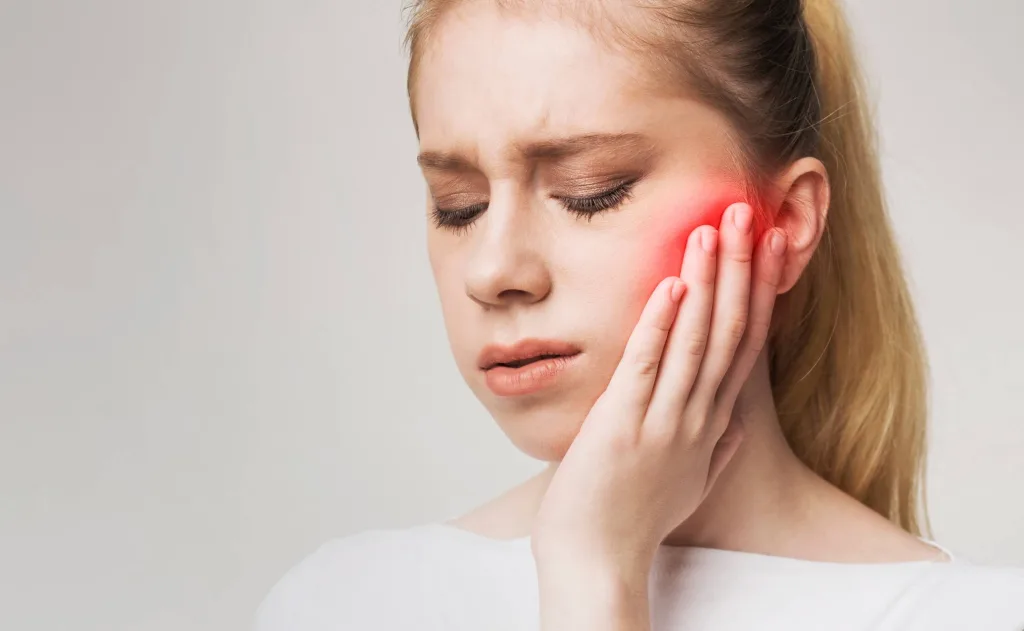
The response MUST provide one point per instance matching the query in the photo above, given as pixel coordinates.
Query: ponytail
(848, 365)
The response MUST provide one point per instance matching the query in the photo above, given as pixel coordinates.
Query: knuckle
(742, 255)
(690, 433)
(758, 337)
(696, 344)
(735, 330)
(699, 412)
(664, 434)
(646, 364)
(662, 326)
(707, 279)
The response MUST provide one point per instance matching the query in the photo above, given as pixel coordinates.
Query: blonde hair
(848, 367)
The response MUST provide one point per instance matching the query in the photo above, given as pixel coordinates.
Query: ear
(800, 210)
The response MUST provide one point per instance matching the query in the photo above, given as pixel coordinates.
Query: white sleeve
(974, 597)
(310, 596)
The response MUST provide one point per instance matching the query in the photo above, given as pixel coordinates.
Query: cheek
(664, 239)
(456, 309)
(654, 252)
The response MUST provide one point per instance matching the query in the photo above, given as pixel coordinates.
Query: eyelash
(460, 219)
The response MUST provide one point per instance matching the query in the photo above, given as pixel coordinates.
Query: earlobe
(802, 213)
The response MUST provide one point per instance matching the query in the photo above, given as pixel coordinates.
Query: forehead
(489, 77)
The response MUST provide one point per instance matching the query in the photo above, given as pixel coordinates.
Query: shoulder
(982, 584)
(353, 582)
(969, 596)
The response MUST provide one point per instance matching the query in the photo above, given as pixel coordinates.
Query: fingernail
(742, 218)
(778, 243)
(709, 240)
(677, 290)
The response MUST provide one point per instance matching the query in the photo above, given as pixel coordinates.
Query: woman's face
(566, 192)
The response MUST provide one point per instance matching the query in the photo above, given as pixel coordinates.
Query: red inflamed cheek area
(685, 216)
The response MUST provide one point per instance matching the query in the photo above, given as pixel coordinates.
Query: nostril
(514, 295)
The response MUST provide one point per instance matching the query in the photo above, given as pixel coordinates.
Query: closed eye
(459, 220)
(589, 206)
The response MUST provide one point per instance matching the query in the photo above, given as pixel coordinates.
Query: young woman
(660, 242)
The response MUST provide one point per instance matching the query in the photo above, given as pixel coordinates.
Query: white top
(439, 578)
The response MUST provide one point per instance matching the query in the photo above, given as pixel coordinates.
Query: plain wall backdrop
(220, 343)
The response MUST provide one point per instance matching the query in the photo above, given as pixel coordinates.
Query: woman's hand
(653, 444)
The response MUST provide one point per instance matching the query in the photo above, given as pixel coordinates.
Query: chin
(545, 431)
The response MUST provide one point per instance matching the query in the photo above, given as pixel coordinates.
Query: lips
(524, 352)
(527, 367)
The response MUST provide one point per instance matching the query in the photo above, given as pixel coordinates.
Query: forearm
(577, 598)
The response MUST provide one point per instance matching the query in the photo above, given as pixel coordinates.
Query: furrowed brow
(627, 146)
(624, 145)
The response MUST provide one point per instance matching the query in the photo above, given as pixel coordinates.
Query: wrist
(574, 558)
(615, 576)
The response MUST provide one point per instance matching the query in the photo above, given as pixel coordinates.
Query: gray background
(220, 343)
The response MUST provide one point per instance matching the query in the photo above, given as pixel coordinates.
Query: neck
(765, 490)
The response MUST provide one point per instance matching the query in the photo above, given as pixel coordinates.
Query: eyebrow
(619, 145)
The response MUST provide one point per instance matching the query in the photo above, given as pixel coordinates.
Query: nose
(508, 263)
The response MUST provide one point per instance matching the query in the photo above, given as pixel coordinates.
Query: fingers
(633, 381)
(723, 452)
(767, 274)
(732, 302)
(689, 335)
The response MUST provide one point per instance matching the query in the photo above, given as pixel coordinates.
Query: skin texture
(655, 463)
